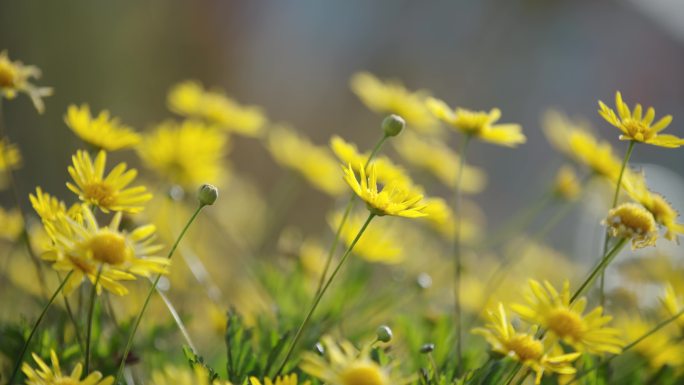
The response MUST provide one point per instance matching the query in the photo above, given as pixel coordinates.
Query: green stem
(129, 343)
(89, 326)
(20, 358)
(458, 265)
(318, 297)
(599, 269)
(616, 196)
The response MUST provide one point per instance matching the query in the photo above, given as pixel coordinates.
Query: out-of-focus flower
(11, 224)
(15, 77)
(106, 192)
(441, 218)
(45, 375)
(315, 163)
(479, 124)
(102, 131)
(659, 349)
(378, 244)
(638, 127)
(672, 304)
(663, 212)
(567, 185)
(191, 100)
(188, 153)
(554, 312)
(632, 221)
(392, 97)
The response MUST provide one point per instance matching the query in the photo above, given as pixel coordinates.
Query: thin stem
(89, 326)
(72, 318)
(625, 161)
(345, 216)
(599, 269)
(20, 358)
(177, 318)
(129, 343)
(318, 297)
(458, 265)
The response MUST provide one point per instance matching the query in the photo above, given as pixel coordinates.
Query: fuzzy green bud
(393, 124)
(207, 194)
(384, 333)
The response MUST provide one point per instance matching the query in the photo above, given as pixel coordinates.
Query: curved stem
(89, 326)
(129, 342)
(17, 365)
(318, 297)
(599, 269)
(458, 265)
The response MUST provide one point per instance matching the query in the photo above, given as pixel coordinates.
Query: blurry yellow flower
(659, 349)
(480, 124)
(554, 312)
(663, 213)
(315, 163)
(394, 198)
(672, 305)
(85, 247)
(636, 127)
(187, 153)
(102, 131)
(14, 78)
(171, 375)
(393, 97)
(558, 127)
(280, 380)
(523, 347)
(10, 157)
(343, 364)
(567, 185)
(437, 158)
(632, 221)
(378, 244)
(11, 224)
(107, 193)
(441, 218)
(189, 99)
(45, 375)
(312, 256)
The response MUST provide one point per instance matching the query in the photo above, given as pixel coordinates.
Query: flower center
(99, 192)
(109, 248)
(525, 347)
(8, 74)
(472, 122)
(565, 323)
(363, 373)
(637, 130)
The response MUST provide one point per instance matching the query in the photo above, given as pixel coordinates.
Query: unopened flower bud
(384, 333)
(427, 348)
(393, 124)
(207, 194)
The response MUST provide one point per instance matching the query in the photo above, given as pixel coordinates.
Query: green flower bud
(384, 333)
(207, 194)
(393, 124)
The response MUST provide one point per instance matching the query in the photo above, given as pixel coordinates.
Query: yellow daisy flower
(480, 124)
(188, 153)
(632, 221)
(524, 347)
(554, 312)
(107, 193)
(315, 163)
(10, 157)
(438, 159)
(567, 185)
(659, 349)
(184, 376)
(189, 99)
(638, 127)
(663, 212)
(393, 98)
(50, 208)
(102, 131)
(44, 375)
(15, 77)
(394, 198)
(378, 244)
(281, 380)
(11, 224)
(343, 364)
(86, 247)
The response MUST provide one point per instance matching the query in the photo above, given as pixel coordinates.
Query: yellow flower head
(480, 124)
(632, 221)
(107, 193)
(392, 97)
(102, 131)
(523, 347)
(84, 248)
(394, 198)
(49, 208)
(315, 163)
(437, 158)
(671, 304)
(567, 185)
(44, 375)
(554, 312)
(11, 224)
(663, 212)
(378, 244)
(659, 349)
(290, 379)
(10, 157)
(636, 127)
(187, 153)
(199, 375)
(343, 364)
(15, 77)
(189, 99)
